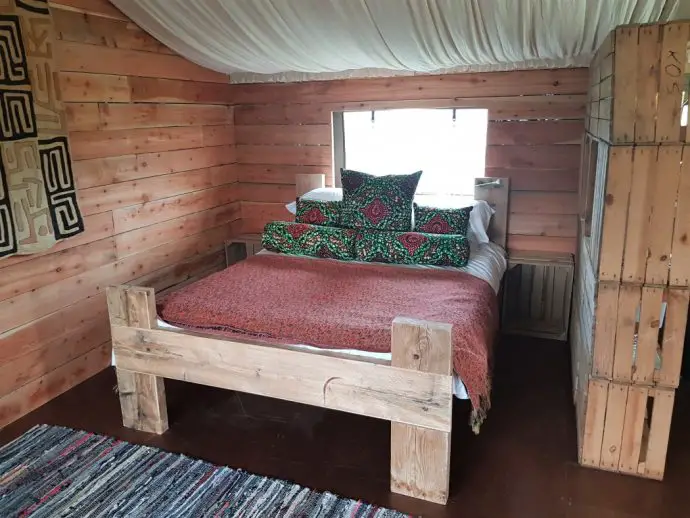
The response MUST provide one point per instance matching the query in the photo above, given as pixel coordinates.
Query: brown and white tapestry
(38, 200)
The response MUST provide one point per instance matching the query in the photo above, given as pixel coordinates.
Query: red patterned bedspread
(336, 304)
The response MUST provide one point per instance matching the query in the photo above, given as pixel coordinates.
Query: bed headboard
(492, 190)
(495, 192)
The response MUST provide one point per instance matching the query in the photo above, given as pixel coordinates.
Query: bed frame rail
(414, 392)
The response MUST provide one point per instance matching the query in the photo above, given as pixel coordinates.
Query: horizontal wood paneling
(157, 234)
(541, 202)
(266, 173)
(83, 87)
(256, 214)
(41, 390)
(101, 116)
(529, 179)
(80, 57)
(102, 8)
(149, 213)
(530, 133)
(291, 135)
(98, 30)
(96, 227)
(271, 192)
(498, 133)
(298, 155)
(520, 243)
(90, 87)
(500, 108)
(534, 157)
(154, 162)
(96, 144)
(114, 196)
(536, 122)
(146, 89)
(551, 225)
(495, 84)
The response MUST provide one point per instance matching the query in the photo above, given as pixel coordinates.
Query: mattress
(487, 262)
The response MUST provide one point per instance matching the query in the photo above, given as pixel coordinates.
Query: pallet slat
(618, 183)
(606, 318)
(680, 250)
(674, 337)
(633, 426)
(660, 230)
(625, 437)
(647, 83)
(613, 426)
(640, 207)
(624, 84)
(647, 335)
(672, 67)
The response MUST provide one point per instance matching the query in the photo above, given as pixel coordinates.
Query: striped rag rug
(57, 472)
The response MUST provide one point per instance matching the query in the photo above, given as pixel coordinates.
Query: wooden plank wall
(535, 129)
(152, 142)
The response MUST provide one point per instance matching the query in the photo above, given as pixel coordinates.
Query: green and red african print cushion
(412, 248)
(378, 202)
(311, 240)
(432, 220)
(316, 212)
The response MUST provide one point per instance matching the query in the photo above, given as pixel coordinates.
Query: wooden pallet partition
(626, 428)
(646, 217)
(637, 83)
(639, 333)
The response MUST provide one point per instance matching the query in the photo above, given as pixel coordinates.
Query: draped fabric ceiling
(288, 40)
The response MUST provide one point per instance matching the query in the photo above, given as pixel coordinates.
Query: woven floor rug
(57, 472)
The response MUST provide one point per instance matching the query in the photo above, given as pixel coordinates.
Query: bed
(405, 374)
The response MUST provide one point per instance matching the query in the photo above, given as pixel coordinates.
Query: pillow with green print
(312, 240)
(316, 212)
(412, 248)
(378, 202)
(433, 220)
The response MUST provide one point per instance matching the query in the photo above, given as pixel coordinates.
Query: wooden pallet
(537, 295)
(639, 333)
(625, 428)
(646, 219)
(636, 85)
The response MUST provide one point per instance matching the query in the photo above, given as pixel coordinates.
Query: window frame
(338, 135)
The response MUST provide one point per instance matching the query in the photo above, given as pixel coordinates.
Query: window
(449, 145)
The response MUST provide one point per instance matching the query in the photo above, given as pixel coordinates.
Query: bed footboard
(414, 392)
(420, 457)
(142, 396)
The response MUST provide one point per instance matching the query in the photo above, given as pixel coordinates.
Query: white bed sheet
(487, 262)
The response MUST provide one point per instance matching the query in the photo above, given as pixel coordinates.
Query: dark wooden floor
(523, 464)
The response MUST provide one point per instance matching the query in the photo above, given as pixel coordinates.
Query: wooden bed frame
(414, 390)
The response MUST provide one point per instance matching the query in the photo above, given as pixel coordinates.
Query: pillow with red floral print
(412, 248)
(378, 202)
(314, 212)
(312, 240)
(432, 220)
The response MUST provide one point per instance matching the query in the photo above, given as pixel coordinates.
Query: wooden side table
(241, 247)
(537, 294)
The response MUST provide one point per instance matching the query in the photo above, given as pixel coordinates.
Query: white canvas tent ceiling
(287, 40)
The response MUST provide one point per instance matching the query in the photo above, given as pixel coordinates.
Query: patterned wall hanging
(38, 199)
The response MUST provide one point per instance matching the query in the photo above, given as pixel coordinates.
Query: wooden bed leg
(142, 400)
(142, 396)
(420, 457)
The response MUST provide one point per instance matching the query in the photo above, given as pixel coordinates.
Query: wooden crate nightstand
(241, 247)
(537, 294)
